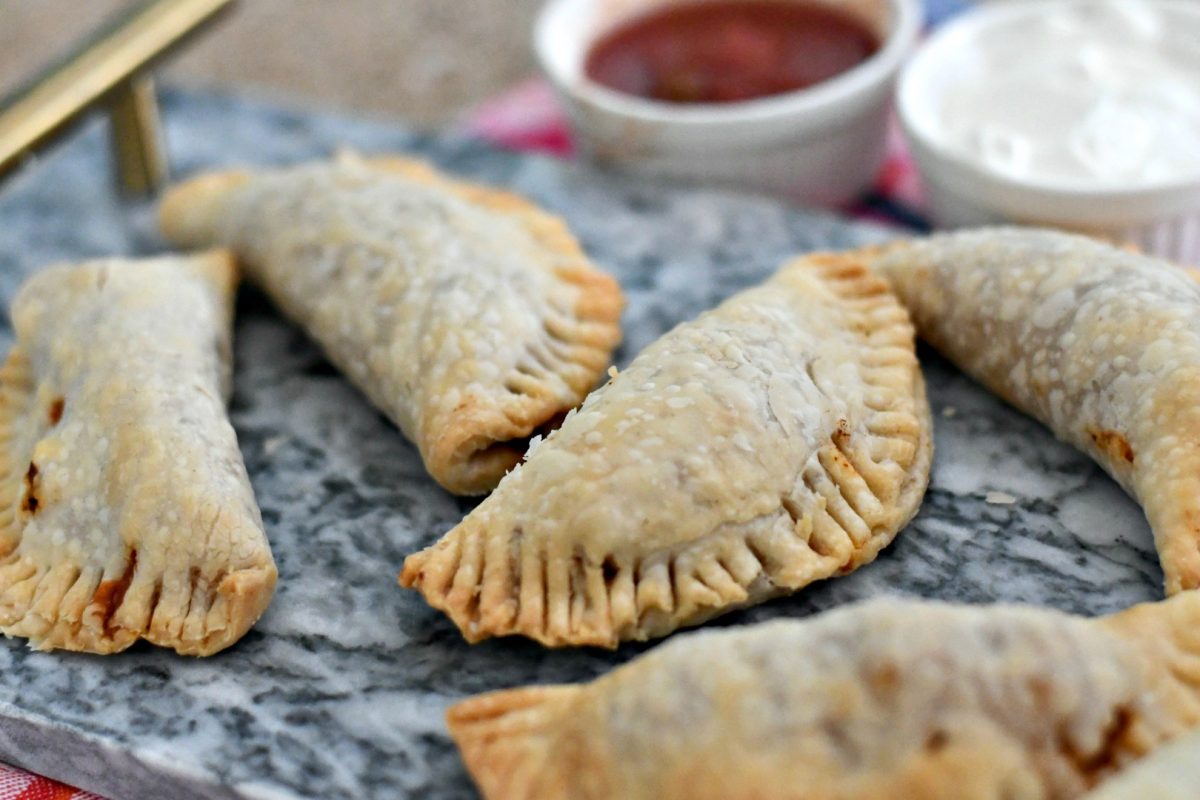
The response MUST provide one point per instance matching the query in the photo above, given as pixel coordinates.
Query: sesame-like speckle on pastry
(777, 440)
(1099, 343)
(890, 699)
(471, 317)
(125, 509)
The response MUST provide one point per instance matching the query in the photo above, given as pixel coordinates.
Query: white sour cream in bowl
(1079, 113)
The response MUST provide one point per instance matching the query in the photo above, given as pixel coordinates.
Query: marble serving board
(339, 691)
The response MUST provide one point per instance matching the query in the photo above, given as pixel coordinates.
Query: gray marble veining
(339, 691)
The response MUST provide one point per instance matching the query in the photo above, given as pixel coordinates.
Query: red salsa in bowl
(725, 51)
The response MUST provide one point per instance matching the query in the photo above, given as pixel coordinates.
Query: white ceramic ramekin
(1161, 218)
(820, 145)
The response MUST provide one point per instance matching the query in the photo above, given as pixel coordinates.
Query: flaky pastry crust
(1170, 773)
(468, 315)
(779, 439)
(886, 700)
(1099, 343)
(126, 509)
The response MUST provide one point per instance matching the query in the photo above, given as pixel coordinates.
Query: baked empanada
(127, 510)
(1171, 773)
(1100, 344)
(468, 315)
(781, 438)
(887, 700)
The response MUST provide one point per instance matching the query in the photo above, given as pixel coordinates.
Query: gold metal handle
(141, 158)
(110, 69)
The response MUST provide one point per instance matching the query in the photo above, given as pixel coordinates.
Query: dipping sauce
(1095, 94)
(719, 51)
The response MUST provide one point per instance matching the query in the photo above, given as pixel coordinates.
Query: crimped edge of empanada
(482, 584)
(1115, 428)
(468, 449)
(512, 741)
(1171, 772)
(113, 619)
(16, 394)
(486, 438)
(503, 738)
(1166, 637)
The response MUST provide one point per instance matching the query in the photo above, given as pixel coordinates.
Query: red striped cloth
(17, 784)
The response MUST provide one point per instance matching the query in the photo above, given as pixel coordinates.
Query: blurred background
(467, 66)
(425, 62)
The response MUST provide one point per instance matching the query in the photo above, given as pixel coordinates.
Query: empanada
(1170, 773)
(781, 438)
(128, 513)
(886, 700)
(1100, 344)
(469, 316)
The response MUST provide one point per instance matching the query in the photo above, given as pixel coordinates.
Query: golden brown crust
(1166, 637)
(779, 439)
(188, 211)
(1100, 344)
(888, 700)
(504, 738)
(126, 511)
(1170, 773)
(16, 395)
(470, 316)
(489, 441)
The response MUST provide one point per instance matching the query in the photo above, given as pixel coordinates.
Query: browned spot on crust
(1116, 737)
(110, 594)
(56, 410)
(610, 569)
(884, 678)
(1112, 444)
(841, 436)
(842, 461)
(1043, 694)
(30, 503)
(937, 740)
